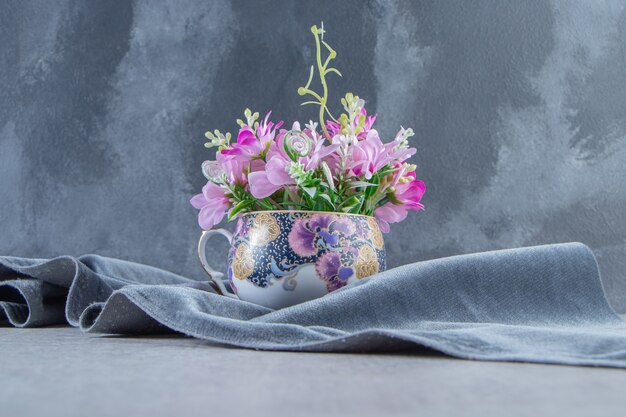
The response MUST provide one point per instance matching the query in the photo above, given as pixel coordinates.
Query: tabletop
(67, 373)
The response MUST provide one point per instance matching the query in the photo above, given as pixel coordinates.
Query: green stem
(304, 91)
(273, 203)
(321, 69)
(294, 197)
(264, 205)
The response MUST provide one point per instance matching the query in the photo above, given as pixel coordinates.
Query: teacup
(281, 258)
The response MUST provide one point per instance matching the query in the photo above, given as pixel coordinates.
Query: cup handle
(216, 276)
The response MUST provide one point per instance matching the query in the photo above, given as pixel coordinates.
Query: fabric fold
(538, 304)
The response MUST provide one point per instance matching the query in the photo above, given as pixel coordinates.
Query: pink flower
(274, 175)
(246, 148)
(265, 160)
(334, 128)
(266, 131)
(309, 139)
(318, 153)
(411, 193)
(369, 155)
(369, 122)
(232, 168)
(267, 181)
(212, 204)
(408, 196)
(251, 145)
(389, 213)
(398, 148)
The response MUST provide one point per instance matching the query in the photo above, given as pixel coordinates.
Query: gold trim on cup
(307, 211)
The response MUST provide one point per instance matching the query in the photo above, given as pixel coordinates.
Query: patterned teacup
(281, 258)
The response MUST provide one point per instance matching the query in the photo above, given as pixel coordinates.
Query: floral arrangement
(337, 165)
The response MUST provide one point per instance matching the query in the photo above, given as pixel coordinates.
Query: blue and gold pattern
(271, 247)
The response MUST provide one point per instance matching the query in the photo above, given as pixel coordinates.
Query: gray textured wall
(519, 109)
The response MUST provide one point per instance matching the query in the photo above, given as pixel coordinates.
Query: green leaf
(242, 205)
(330, 201)
(349, 203)
(265, 204)
(310, 190)
(293, 203)
(355, 209)
(355, 184)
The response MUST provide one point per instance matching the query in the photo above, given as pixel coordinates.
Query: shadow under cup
(281, 258)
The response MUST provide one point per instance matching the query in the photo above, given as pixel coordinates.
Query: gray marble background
(519, 109)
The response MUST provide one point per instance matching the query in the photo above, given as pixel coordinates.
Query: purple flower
(264, 160)
(327, 265)
(302, 239)
(212, 204)
(329, 268)
(325, 229)
(335, 284)
(410, 193)
(321, 221)
(333, 223)
(266, 131)
(399, 148)
(344, 273)
(318, 153)
(274, 174)
(361, 230)
(246, 148)
(329, 238)
(369, 156)
(343, 225)
(389, 213)
(232, 168)
(271, 178)
(407, 196)
(252, 144)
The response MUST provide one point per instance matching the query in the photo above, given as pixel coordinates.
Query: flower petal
(198, 201)
(277, 171)
(390, 213)
(327, 265)
(260, 185)
(211, 214)
(212, 191)
(301, 239)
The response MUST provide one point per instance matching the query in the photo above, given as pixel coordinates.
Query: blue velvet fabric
(538, 304)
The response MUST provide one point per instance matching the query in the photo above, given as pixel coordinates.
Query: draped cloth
(537, 304)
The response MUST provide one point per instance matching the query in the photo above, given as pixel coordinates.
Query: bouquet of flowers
(337, 165)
